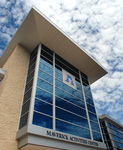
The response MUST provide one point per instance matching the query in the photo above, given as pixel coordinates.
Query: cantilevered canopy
(36, 28)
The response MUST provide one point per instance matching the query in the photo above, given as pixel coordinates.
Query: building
(112, 132)
(45, 95)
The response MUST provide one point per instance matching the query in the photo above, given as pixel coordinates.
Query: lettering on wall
(70, 138)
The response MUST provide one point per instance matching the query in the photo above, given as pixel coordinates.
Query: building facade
(45, 94)
(112, 132)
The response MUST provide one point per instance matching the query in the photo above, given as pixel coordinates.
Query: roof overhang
(111, 120)
(36, 28)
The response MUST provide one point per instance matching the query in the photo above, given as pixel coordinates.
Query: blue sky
(96, 25)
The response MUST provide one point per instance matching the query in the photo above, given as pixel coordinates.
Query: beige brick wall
(11, 95)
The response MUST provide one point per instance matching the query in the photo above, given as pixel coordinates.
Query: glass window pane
(94, 126)
(65, 67)
(25, 107)
(78, 82)
(43, 107)
(64, 115)
(68, 89)
(46, 61)
(91, 108)
(66, 63)
(45, 68)
(44, 95)
(47, 55)
(42, 120)
(86, 87)
(97, 136)
(69, 97)
(58, 76)
(93, 117)
(23, 121)
(47, 49)
(83, 75)
(27, 95)
(58, 69)
(45, 76)
(44, 85)
(72, 129)
(88, 93)
(89, 100)
(68, 106)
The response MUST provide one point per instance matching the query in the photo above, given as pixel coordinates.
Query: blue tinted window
(68, 89)
(69, 97)
(118, 145)
(78, 83)
(58, 76)
(72, 129)
(87, 87)
(94, 126)
(47, 62)
(97, 136)
(88, 94)
(44, 95)
(42, 120)
(89, 100)
(44, 85)
(68, 106)
(45, 76)
(64, 115)
(93, 117)
(43, 107)
(45, 68)
(91, 108)
(58, 69)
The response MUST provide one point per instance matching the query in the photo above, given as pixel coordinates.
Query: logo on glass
(68, 79)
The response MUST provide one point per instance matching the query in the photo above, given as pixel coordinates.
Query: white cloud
(96, 25)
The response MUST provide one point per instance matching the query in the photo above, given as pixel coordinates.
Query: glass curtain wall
(60, 107)
(113, 136)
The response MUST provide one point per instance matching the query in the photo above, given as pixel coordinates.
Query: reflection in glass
(44, 95)
(72, 129)
(64, 115)
(86, 87)
(44, 85)
(42, 120)
(89, 100)
(45, 68)
(69, 97)
(94, 126)
(97, 136)
(45, 76)
(58, 76)
(58, 69)
(92, 117)
(91, 108)
(46, 61)
(88, 94)
(68, 89)
(68, 106)
(43, 107)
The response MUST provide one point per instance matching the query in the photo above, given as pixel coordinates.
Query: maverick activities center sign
(70, 138)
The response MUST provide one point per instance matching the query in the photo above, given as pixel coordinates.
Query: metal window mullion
(111, 139)
(54, 121)
(30, 117)
(86, 106)
(96, 112)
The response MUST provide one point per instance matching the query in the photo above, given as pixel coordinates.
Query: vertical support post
(34, 86)
(54, 92)
(86, 106)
